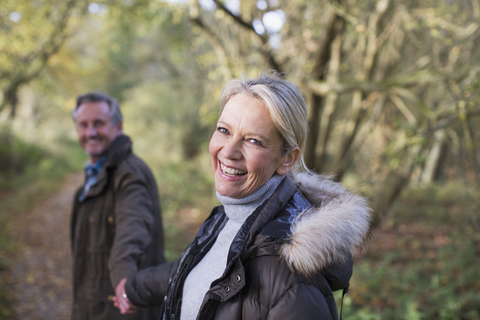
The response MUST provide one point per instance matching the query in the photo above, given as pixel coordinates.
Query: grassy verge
(28, 174)
(423, 262)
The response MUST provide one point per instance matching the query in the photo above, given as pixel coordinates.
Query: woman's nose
(232, 150)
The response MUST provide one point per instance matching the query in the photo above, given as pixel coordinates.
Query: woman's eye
(222, 130)
(256, 142)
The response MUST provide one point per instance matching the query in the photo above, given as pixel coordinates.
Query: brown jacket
(115, 231)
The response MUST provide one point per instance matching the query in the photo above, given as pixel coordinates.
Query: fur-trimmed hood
(332, 231)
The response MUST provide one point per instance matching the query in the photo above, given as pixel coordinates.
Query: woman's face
(245, 149)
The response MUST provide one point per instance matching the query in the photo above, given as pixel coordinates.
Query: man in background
(116, 226)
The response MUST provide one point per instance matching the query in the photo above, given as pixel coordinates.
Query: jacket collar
(261, 217)
(332, 231)
(118, 150)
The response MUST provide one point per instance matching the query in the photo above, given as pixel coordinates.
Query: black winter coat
(284, 263)
(115, 231)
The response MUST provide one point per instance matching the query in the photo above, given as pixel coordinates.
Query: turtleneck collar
(239, 209)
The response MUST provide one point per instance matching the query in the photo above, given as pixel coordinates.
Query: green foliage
(5, 246)
(22, 162)
(28, 173)
(422, 264)
(27, 28)
(16, 156)
(32, 32)
(187, 196)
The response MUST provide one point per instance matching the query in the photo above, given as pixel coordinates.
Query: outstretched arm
(134, 223)
(149, 286)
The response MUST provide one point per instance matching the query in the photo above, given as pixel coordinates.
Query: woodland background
(394, 111)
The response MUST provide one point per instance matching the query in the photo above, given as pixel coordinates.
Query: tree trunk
(329, 108)
(355, 113)
(434, 158)
(316, 102)
(361, 135)
(392, 187)
(315, 109)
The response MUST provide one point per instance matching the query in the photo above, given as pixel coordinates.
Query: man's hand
(121, 301)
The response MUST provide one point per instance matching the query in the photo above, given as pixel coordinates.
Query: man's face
(95, 129)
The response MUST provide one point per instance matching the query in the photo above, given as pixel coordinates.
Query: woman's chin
(227, 192)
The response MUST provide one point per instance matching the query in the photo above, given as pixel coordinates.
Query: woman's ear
(288, 161)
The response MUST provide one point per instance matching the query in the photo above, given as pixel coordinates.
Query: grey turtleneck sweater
(213, 264)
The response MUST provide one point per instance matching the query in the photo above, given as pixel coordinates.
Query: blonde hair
(285, 104)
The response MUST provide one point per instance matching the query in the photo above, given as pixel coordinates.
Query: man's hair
(284, 103)
(115, 113)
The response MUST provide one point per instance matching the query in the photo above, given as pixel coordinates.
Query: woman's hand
(121, 300)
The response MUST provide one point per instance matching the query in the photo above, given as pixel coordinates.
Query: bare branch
(360, 137)
(372, 45)
(265, 48)
(403, 108)
(476, 8)
(330, 104)
(341, 12)
(50, 48)
(237, 18)
(396, 85)
(322, 88)
(333, 27)
(217, 46)
(461, 32)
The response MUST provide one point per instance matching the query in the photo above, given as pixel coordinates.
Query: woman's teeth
(232, 172)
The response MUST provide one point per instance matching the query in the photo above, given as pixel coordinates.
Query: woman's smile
(231, 172)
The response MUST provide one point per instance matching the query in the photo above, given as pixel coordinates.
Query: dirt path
(41, 269)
